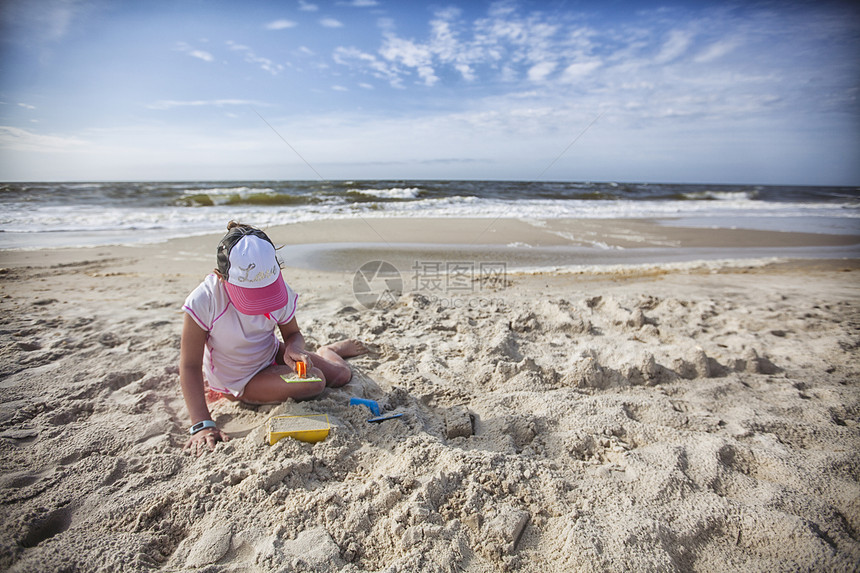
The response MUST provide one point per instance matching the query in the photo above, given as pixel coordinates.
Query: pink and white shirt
(238, 345)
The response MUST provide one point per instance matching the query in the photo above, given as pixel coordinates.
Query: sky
(676, 92)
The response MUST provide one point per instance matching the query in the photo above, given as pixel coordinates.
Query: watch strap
(201, 426)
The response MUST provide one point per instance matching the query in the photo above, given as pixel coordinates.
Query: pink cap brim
(259, 300)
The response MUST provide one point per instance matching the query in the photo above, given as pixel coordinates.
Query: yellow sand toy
(310, 428)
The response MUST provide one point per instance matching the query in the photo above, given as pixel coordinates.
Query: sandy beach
(576, 396)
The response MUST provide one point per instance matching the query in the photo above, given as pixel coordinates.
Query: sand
(684, 416)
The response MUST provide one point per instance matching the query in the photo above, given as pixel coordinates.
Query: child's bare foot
(346, 348)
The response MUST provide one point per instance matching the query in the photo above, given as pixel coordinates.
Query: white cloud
(577, 71)
(331, 23)
(680, 72)
(466, 71)
(281, 25)
(339, 88)
(717, 50)
(26, 106)
(411, 55)
(386, 25)
(539, 72)
(445, 43)
(674, 47)
(48, 20)
(307, 6)
(377, 67)
(170, 104)
(443, 40)
(360, 3)
(57, 19)
(265, 64)
(201, 55)
(16, 139)
(517, 46)
(194, 53)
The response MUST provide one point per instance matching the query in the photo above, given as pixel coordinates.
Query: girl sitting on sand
(229, 338)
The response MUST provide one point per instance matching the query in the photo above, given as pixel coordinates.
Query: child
(229, 338)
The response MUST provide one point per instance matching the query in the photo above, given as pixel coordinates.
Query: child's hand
(198, 443)
(301, 356)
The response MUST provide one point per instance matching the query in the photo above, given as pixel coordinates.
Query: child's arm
(294, 344)
(191, 381)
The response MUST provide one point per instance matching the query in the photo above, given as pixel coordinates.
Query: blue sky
(712, 92)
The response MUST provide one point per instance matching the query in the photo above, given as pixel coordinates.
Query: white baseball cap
(247, 260)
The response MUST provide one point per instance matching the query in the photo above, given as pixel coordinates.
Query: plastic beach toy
(384, 417)
(310, 428)
(301, 375)
(374, 409)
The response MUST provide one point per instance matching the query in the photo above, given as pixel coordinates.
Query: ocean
(47, 215)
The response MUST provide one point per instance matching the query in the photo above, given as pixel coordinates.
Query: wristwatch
(201, 426)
